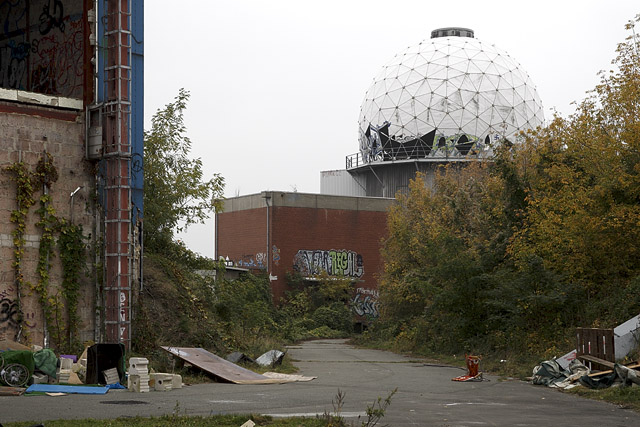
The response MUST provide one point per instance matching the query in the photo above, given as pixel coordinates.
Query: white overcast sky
(276, 85)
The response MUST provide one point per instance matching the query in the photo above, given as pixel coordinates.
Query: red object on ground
(473, 368)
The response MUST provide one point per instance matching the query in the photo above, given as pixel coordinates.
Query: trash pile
(101, 368)
(226, 369)
(551, 374)
(40, 370)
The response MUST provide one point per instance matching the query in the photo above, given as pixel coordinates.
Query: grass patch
(179, 421)
(626, 397)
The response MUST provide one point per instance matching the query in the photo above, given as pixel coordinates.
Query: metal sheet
(218, 366)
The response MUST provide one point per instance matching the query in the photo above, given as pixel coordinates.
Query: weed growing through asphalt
(375, 412)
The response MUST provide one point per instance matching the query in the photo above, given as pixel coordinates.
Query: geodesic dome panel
(447, 97)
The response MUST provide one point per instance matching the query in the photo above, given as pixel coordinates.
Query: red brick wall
(296, 229)
(242, 236)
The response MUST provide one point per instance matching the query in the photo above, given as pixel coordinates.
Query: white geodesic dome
(447, 97)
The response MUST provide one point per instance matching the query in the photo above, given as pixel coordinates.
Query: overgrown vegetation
(60, 303)
(183, 420)
(374, 412)
(506, 258)
(179, 306)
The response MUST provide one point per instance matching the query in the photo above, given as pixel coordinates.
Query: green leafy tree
(175, 194)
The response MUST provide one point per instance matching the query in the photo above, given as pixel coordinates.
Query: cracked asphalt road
(426, 396)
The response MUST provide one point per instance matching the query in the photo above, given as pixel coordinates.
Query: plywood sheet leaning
(219, 367)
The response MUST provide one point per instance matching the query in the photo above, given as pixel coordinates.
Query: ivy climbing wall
(39, 142)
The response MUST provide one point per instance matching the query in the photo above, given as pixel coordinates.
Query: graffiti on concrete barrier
(341, 263)
(365, 302)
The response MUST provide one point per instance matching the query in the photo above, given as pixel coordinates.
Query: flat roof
(306, 200)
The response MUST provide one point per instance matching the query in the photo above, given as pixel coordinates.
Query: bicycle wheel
(15, 375)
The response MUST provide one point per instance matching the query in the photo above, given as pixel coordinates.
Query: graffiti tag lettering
(9, 314)
(365, 302)
(333, 262)
(50, 18)
(258, 260)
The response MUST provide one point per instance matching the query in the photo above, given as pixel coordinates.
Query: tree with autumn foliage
(511, 255)
(583, 200)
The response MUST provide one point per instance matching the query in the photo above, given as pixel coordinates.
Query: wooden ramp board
(219, 367)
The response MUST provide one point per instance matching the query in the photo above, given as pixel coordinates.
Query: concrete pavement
(426, 396)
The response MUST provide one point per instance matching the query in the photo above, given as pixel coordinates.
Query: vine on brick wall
(24, 197)
(46, 174)
(71, 246)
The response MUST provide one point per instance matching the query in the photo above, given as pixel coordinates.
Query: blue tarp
(71, 389)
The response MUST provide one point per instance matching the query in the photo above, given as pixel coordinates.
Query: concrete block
(138, 371)
(176, 382)
(138, 383)
(138, 365)
(66, 363)
(40, 378)
(161, 381)
(111, 376)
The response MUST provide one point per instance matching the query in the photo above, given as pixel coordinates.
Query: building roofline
(306, 200)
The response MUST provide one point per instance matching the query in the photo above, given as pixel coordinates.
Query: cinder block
(40, 378)
(176, 382)
(138, 383)
(161, 381)
(65, 363)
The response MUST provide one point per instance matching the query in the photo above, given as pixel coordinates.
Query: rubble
(270, 358)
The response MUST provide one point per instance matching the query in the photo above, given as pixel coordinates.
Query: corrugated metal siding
(341, 183)
(390, 179)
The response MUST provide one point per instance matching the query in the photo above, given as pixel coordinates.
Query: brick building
(284, 232)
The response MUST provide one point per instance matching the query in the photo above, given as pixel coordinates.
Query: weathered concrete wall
(26, 133)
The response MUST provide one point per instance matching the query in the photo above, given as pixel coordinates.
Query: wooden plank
(218, 367)
(598, 374)
(594, 359)
(596, 342)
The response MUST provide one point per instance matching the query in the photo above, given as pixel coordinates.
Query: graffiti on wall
(333, 262)
(9, 314)
(258, 260)
(275, 254)
(41, 46)
(365, 302)
(6, 292)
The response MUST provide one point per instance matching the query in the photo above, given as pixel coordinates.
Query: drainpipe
(267, 198)
(73, 193)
